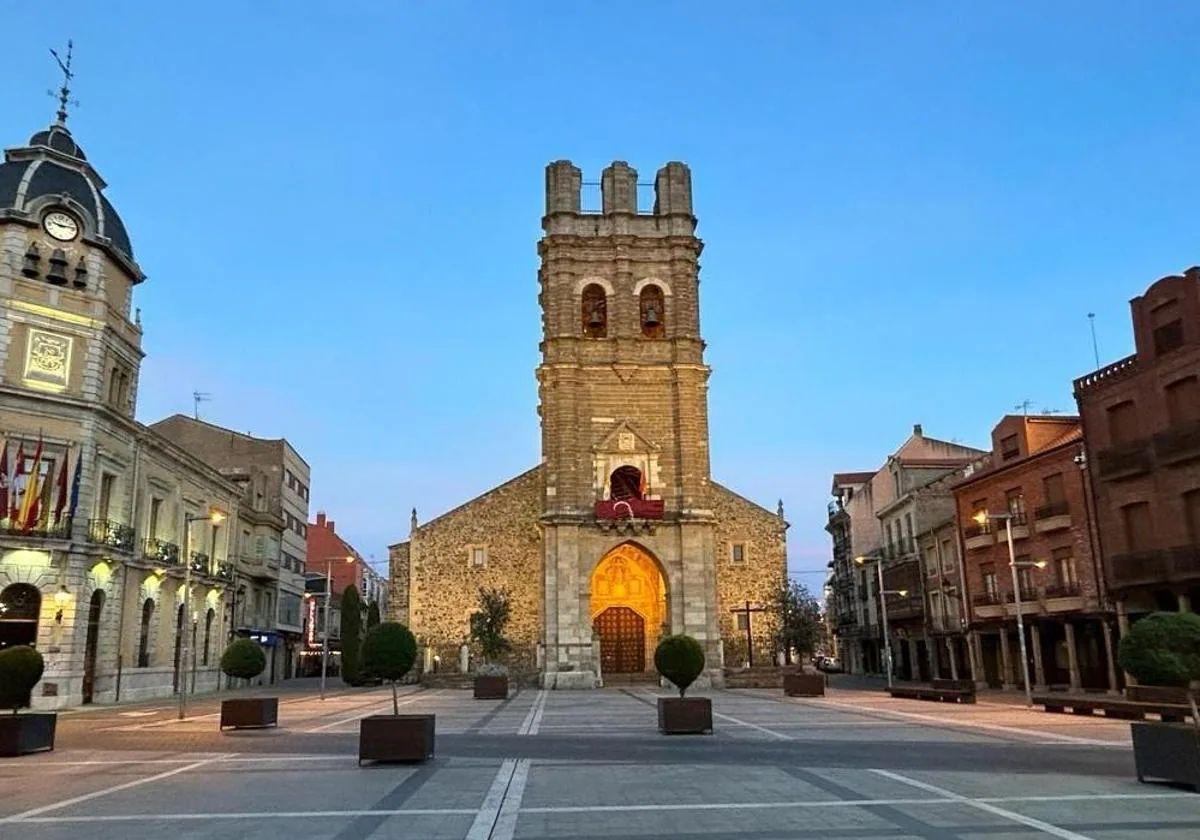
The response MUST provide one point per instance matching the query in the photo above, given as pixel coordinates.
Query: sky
(908, 211)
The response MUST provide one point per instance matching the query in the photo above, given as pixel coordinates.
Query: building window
(1139, 527)
(979, 511)
(989, 582)
(737, 553)
(1064, 567)
(1025, 579)
(143, 657)
(478, 556)
(652, 311)
(208, 623)
(107, 480)
(152, 525)
(948, 556)
(1183, 400)
(743, 621)
(1052, 489)
(1009, 448)
(1191, 513)
(1123, 422)
(1014, 500)
(594, 311)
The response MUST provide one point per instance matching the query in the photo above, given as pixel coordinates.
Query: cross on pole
(746, 611)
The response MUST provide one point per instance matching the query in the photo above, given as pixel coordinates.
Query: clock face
(61, 226)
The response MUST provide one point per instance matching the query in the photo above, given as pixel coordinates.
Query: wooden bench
(942, 691)
(1113, 707)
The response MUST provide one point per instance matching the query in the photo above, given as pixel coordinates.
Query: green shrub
(1163, 649)
(352, 621)
(20, 669)
(243, 660)
(388, 652)
(489, 622)
(680, 659)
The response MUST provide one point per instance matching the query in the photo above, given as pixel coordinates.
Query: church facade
(619, 536)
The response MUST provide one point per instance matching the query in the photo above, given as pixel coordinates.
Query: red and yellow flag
(31, 500)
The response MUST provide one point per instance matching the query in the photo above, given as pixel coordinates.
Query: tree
(243, 660)
(680, 659)
(372, 614)
(351, 627)
(798, 622)
(1164, 649)
(20, 669)
(489, 622)
(389, 651)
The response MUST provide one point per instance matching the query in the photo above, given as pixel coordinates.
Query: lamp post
(982, 518)
(216, 518)
(883, 593)
(325, 636)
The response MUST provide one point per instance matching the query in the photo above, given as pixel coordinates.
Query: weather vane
(64, 92)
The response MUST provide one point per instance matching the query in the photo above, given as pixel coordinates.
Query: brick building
(325, 544)
(1141, 416)
(619, 535)
(1035, 477)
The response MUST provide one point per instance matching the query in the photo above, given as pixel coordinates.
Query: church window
(478, 556)
(650, 305)
(626, 483)
(737, 553)
(594, 311)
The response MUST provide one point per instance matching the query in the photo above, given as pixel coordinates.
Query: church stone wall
(439, 585)
(756, 578)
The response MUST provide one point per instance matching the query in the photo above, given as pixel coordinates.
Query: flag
(31, 502)
(75, 484)
(4, 480)
(643, 487)
(61, 502)
(14, 507)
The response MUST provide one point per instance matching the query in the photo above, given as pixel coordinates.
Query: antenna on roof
(1023, 407)
(64, 92)
(1047, 411)
(1095, 346)
(197, 398)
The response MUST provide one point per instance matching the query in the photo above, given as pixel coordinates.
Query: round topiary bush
(20, 669)
(680, 659)
(388, 652)
(243, 659)
(1163, 649)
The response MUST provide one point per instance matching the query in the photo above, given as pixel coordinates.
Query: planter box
(21, 734)
(491, 688)
(396, 738)
(685, 715)
(1167, 751)
(250, 713)
(1156, 694)
(804, 685)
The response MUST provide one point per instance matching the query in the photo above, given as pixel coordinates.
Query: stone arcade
(619, 535)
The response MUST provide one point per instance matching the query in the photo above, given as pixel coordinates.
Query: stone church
(619, 535)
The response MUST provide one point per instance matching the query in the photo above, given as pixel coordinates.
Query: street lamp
(887, 640)
(216, 518)
(349, 558)
(982, 518)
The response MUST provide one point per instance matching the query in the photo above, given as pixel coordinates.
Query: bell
(596, 318)
(58, 268)
(81, 274)
(651, 317)
(33, 256)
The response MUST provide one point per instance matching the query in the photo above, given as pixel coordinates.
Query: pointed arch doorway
(628, 608)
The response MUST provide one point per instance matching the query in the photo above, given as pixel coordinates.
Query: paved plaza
(586, 765)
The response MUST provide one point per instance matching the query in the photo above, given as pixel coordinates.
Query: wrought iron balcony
(986, 599)
(1125, 460)
(160, 551)
(977, 529)
(1179, 443)
(200, 563)
(1175, 565)
(1052, 509)
(224, 571)
(112, 534)
(1062, 590)
(60, 530)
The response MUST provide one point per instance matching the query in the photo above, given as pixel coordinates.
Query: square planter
(396, 738)
(21, 734)
(1167, 751)
(491, 688)
(250, 713)
(685, 715)
(1156, 694)
(804, 685)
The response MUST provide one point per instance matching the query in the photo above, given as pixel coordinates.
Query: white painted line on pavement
(506, 823)
(375, 709)
(948, 721)
(255, 815)
(739, 722)
(1040, 825)
(533, 720)
(75, 800)
(489, 812)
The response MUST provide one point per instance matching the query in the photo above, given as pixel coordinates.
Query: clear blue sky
(908, 211)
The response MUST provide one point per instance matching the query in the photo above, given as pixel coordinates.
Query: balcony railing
(60, 530)
(986, 599)
(976, 529)
(200, 563)
(160, 551)
(1062, 590)
(112, 534)
(224, 571)
(1125, 460)
(1175, 565)
(1052, 509)
(1178, 443)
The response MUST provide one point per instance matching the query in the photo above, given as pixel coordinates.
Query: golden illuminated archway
(628, 578)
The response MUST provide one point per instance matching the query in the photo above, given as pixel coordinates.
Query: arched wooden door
(93, 642)
(622, 635)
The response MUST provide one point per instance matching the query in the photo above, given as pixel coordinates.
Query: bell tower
(623, 402)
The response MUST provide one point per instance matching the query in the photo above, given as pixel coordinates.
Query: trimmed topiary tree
(20, 669)
(352, 619)
(1164, 649)
(388, 652)
(243, 660)
(680, 659)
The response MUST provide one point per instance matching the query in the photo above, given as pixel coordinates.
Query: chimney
(917, 429)
(330, 525)
(320, 519)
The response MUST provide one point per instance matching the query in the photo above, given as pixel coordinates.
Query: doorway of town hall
(628, 609)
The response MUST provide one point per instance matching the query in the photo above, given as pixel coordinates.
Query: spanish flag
(31, 501)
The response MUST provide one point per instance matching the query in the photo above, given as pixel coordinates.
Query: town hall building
(619, 535)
